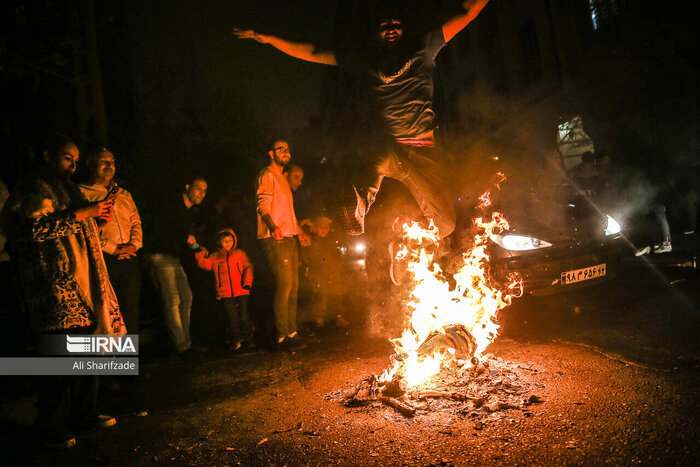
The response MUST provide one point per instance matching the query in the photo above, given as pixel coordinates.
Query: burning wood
(401, 407)
(451, 324)
(450, 320)
(453, 338)
(446, 395)
(499, 387)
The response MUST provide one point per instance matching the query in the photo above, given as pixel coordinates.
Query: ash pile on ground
(483, 393)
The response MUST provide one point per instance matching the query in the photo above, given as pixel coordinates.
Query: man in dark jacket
(171, 232)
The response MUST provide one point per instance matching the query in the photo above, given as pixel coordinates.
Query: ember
(487, 389)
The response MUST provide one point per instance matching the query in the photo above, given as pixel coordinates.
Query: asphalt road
(617, 368)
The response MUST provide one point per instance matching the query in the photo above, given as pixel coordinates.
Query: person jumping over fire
(398, 69)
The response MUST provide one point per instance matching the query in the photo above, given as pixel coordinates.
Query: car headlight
(359, 247)
(613, 227)
(519, 242)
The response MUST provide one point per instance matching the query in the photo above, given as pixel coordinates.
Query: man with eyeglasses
(398, 70)
(278, 231)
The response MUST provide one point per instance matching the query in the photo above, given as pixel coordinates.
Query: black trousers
(240, 328)
(68, 400)
(125, 276)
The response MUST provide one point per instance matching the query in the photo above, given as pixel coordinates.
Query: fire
(443, 313)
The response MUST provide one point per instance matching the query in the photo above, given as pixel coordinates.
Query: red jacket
(232, 270)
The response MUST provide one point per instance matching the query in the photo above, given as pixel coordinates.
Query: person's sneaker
(352, 218)
(104, 421)
(689, 232)
(397, 267)
(100, 421)
(642, 251)
(60, 444)
(665, 247)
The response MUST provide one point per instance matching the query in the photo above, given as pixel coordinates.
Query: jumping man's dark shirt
(401, 81)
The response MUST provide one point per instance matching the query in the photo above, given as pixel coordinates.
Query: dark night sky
(205, 97)
(180, 87)
(194, 44)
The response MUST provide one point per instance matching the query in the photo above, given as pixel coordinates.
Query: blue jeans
(171, 281)
(420, 170)
(283, 258)
(659, 211)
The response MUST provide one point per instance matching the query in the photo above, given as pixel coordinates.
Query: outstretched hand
(250, 34)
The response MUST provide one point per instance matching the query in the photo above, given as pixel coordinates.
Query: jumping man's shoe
(665, 247)
(642, 251)
(397, 267)
(352, 218)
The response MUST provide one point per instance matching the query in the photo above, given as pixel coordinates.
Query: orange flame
(433, 305)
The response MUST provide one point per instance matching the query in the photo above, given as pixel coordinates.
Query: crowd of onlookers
(73, 257)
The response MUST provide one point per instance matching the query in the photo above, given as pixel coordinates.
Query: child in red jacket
(233, 273)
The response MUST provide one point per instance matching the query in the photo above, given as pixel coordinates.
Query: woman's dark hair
(53, 142)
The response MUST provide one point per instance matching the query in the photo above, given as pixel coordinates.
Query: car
(556, 243)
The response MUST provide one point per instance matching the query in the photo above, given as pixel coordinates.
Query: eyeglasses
(282, 149)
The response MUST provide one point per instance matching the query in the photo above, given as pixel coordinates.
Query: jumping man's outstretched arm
(470, 10)
(301, 50)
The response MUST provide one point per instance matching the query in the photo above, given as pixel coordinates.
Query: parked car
(556, 244)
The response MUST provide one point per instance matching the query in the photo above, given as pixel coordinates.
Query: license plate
(578, 275)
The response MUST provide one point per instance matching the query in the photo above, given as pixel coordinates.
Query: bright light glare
(520, 242)
(613, 227)
(359, 247)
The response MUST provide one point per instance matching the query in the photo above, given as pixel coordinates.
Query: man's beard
(390, 46)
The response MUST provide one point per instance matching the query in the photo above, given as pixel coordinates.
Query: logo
(100, 344)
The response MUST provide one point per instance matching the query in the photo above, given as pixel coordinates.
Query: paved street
(616, 368)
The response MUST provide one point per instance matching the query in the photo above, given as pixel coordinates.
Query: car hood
(557, 216)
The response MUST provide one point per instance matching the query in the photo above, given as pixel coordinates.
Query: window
(573, 142)
(603, 12)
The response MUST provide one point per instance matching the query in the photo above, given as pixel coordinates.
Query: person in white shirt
(121, 237)
(278, 232)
